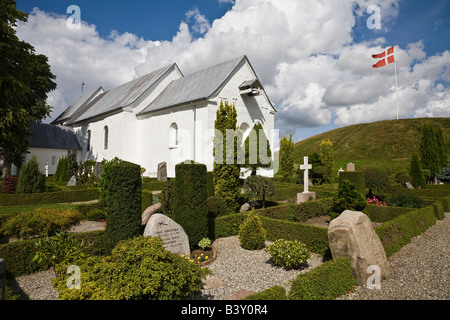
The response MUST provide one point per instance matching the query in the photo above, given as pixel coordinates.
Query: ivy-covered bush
(121, 197)
(137, 269)
(41, 222)
(190, 208)
(252, 235)
(31, 180)
(288, 254)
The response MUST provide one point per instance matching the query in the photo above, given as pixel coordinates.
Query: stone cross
(305, 166)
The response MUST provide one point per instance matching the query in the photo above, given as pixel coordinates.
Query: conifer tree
(287, 158)
(31, 180)
(326, 155)
(226, 168)
(429, 155)
(442, 148)
(257, 150)
(416, 172)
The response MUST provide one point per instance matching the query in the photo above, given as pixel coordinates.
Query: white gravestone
(172, 234)
(306, 194)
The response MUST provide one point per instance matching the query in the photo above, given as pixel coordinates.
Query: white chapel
(166, 116)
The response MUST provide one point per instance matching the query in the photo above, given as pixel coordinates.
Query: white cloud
(303, 51)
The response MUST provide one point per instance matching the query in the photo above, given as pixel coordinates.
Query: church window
(53, 160)
(106, 138)
(173, 135)
(89, 140)
(245, 131)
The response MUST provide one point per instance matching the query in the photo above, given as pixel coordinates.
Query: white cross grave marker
(305, 166)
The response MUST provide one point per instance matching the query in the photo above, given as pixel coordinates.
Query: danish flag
(382, 56)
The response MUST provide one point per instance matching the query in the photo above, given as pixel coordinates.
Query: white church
(166, 116)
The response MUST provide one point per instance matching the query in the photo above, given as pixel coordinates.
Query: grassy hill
(378, 144)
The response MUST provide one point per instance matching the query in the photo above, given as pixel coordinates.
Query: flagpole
(396, 87)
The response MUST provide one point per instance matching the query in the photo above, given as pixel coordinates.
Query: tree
(25, 81)
(442, 148)
(226, 169)
(259, 187)
(429, 155)
(31, 180)
(318, 170)
(416, 172)
(444, 175)
(348, 198)
(287, 158)
(376, 179)
(255, 155)
(326, 155)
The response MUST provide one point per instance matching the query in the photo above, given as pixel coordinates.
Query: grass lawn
(10, 210)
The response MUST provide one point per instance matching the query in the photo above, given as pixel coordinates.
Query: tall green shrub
(326, 156)
(190, 208)
(226, 168)
(429, 151)
(62, 173)
(287, 158)
(416, 172)
(31, 180)
(255, 155)
(348, 198)
(121, 197)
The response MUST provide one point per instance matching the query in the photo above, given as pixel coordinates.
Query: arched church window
(245, 128)
(88, 140)
(173, 135)
(106, 137)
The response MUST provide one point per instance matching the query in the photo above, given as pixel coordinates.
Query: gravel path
(419, 271)
(237, 272)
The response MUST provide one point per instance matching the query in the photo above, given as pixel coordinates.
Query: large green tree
(226, 165)
(257, 150)
(429, 150)
(25, 81)
(326, 155)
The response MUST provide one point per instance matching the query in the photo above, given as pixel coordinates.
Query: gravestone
(340, 170)
(72, 182)
(98, 170)
(306, 194)
(350, 166)
(409, 185)
(162, 171)
(172, 234)
(352, 235)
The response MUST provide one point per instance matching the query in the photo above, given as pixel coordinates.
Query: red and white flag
(382, 56)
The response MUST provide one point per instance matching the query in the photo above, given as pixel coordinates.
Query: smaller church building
(166, 116)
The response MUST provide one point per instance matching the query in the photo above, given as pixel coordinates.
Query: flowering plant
(376, 202)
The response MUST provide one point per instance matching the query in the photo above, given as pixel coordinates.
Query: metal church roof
(52, 137)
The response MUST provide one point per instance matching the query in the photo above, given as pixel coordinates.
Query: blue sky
(313, 57)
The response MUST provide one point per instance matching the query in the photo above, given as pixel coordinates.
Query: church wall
(45, 155)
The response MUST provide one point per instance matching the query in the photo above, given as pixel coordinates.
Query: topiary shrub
(190, 208)
(288, 254)
(31, 180)
(252, 235)
(121, 197)
(41, 222)
(137, 269)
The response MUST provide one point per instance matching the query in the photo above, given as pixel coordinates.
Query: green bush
(137, 269)
(273, 293)
(446, 204)
(216, 206)
(438, 210)
(31, 180)
(42, 222)
(166, 198)
(190, 208)
(45, 198)
(121, 197)
(259, 187)
(348, 198)
(404, 198)
(18, 254)
(328, 281)
(252, 235)
(288, 254)
(394, 234)
(147, 199)
(95, 215)
(62, 173)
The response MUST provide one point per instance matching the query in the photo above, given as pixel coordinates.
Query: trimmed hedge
(190, 208)
(298, 212)
(396, 233)
(18, 254)
(355, 177)
(328, 281)
(147, 199)
(121, 197)
(315, 238)
(384, 213)
(446, 204)
(51, 197)
(273, 293)
(438, 210)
